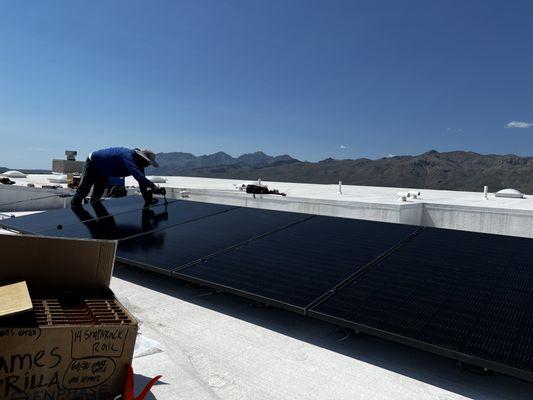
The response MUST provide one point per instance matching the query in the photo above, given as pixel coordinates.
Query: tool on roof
(6, 181)
(262, 189)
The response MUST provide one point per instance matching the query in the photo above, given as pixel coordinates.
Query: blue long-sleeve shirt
(119, 161)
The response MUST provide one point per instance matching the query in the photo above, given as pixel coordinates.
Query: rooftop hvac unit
(71, 154)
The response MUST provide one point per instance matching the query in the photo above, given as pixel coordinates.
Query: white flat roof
(435, 208)
(353, 193)
(36, 179)
(350, 193)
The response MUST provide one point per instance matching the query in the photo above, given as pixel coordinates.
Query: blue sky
(313, 79)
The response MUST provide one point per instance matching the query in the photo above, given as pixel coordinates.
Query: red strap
(128, 387)
(147, 388)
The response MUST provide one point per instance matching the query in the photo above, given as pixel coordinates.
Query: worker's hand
(160, 190)
(150, 202)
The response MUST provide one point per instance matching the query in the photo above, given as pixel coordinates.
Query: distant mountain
(456, 170)
(178, 163)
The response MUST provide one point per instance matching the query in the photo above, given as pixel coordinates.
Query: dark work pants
(90, 179)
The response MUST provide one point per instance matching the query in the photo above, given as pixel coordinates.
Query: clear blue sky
(313, 79)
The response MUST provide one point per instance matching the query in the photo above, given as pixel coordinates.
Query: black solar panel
(293, 267)
(466, 293)
(174, 247)
(126, 224)
(50, 219)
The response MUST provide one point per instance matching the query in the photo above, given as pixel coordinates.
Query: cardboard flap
(14, 299)
(57, 263)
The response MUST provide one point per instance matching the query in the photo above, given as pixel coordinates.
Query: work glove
(160, 190)
(150, 202)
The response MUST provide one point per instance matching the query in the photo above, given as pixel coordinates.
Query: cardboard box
(14, 299)
(78, 340)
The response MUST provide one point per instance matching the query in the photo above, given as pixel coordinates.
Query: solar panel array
(175, 247)
(464, 292)
(35, 223)
(135, 222)
(464, 295)
(295, 266)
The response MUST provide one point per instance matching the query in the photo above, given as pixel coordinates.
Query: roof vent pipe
(340, 187)
(485, 192)
(71, 155)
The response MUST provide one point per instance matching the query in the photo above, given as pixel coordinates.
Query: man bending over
(120, 162)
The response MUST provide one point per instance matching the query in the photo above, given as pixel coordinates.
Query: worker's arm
(144, 183)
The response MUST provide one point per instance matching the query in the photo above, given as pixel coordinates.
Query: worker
(116, 162)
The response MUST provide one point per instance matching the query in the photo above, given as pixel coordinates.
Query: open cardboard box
(78, 340)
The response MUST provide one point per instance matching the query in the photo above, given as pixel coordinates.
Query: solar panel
(465, 295)
(50, 219)
(174, 247)
(127, 224)
(293, 267)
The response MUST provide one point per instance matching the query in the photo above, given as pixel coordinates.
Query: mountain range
(177, 162)
(455, 170)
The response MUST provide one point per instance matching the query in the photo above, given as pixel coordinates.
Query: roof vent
(58, 179)
(510, 193)
(14, 174)
(71, 155)
(156, 179)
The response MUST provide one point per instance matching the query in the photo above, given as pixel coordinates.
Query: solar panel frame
(473, 357)
(452, 354)
(148, 267)
(241, 293)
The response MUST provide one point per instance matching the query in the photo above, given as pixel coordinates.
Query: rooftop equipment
(157, 179)
(510, 193)
(58, 179)
(14, 174)
(68, 166)
(71, 155)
